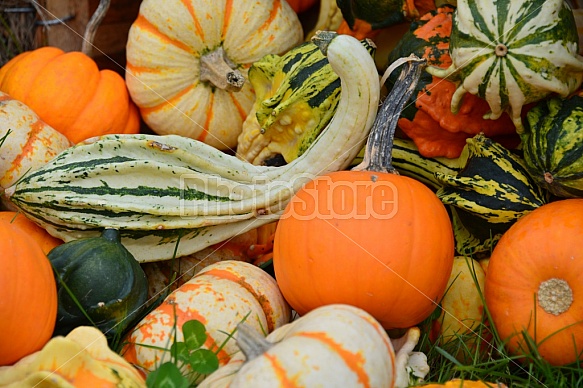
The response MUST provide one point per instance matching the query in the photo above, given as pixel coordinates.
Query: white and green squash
(553, 145)
(296, 96)
(512, 53)
(173, 196)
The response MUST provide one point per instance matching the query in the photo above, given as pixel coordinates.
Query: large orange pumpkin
(70, 93)
(34, 232)
(534, 281)
(28, 295)
(372, 239)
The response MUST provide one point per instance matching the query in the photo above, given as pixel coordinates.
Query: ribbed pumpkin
(553, 145)
(28, 295)
(354, 237)
(512, 53)
(220, 296)
(35, 232)
(187, 62)
(69, 92)
(332, 346)
(428, 120)
(534, 283)
(28, 142)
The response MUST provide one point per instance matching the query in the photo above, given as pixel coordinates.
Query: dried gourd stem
(251, 343)
(378, 152)
(219, 70)
(93, 25)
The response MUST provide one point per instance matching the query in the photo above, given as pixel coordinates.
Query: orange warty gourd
(28, 295)
(534, 281)
(70, 93)
(35, 232)
(367, 237)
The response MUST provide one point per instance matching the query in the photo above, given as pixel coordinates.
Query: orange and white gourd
(187, 62)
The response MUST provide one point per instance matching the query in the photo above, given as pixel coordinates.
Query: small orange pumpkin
(70, 93)
(35, 232)
(534, 280)
(368, 238)
(28, 295)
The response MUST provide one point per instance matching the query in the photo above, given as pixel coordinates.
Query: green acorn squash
(512, 53)
(104, 278)
(553, 145)
(490, 192)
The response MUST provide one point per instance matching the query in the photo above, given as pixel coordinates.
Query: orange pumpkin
(369, 238)
(35, 232)
(534, 280)
(28, 295)
(70, 93)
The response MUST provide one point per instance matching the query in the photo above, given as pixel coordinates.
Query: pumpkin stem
(251, 342)
(92, 26)
(379, 147)
(217, 68)
(555, 296)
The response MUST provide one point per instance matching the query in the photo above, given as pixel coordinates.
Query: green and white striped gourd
(491, 191)
(512, 53)
(408, 161)
(553, 145)
(296, 95)
(171, 192)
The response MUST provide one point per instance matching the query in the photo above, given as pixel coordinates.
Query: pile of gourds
(414, 193)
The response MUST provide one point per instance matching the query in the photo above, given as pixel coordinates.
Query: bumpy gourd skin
(105, 279)
(296, 97)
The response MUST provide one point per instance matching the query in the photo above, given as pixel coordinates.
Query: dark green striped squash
(512, 53)
(490, 192)
(296, 95)
(553, 145)
(99, 283)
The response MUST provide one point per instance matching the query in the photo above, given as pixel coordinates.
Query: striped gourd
(490, 192)
(512, 53)
(296, 95)
(553, 145)
(161, 190)
(187, 62)
(407, 160)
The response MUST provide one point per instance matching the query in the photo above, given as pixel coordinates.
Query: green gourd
(553, 145)
(105, 279)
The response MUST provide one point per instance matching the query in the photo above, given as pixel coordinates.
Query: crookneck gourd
(512, 53)
(490, 192)
(171, 192)
(296, 95)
